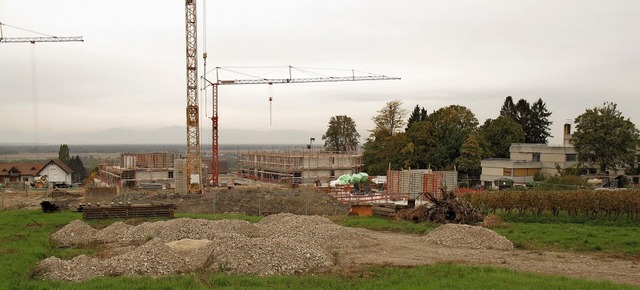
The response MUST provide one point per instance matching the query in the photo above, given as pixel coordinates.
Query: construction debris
(448, 209)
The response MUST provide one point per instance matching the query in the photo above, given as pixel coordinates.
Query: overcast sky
(130, 71)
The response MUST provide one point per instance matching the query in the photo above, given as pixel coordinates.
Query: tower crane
(33, 40)
(215, 170)
(193, 115)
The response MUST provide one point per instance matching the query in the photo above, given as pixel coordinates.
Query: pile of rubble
(278, 244)
(466, 236)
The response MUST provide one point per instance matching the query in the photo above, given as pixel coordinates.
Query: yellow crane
(193, 115)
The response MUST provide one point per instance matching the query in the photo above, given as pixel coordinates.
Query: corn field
(595, 203)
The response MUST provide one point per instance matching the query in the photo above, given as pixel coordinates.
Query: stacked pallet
(388, 210)
(420, 181)
(127, 211)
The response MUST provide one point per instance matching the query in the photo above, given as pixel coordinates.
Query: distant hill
(166, 135)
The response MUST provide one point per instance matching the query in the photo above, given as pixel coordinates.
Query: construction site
(298, 165)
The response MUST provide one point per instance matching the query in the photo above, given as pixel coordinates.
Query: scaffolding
(136, 169)
(298, 165)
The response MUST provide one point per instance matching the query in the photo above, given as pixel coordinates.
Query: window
(170, 174)
(570, 157)
(535, 157)
(506, 172)
(532, 171)
(520, 172)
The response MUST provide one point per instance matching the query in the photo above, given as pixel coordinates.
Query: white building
(56, 172)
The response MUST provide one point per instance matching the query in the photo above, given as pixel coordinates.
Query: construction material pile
(278, 244)
(448, 209)
(466, 236)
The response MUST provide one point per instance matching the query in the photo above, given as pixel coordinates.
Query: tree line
(451, 137)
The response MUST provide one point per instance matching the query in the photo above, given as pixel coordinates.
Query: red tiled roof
(25, 169)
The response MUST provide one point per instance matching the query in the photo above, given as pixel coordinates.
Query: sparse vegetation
(25, 241)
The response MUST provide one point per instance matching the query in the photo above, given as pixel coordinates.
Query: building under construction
(152, 170)
(298, 165)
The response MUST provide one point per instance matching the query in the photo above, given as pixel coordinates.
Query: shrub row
(597, 203)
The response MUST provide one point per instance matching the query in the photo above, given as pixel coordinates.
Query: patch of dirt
(248, 200)
(291, 244)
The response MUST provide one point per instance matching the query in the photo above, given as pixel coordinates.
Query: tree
(500, 134)
(389, 119)
(471, 154)
(386, 142)
(63, 153)
(605, 138)
(538, 129)
(508, 108)
(417, 115)
(534, 119)
(449, 128)
(341, 134)
(79, 172)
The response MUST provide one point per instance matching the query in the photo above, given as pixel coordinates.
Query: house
(527, 160)
(19, 175)
(56, 172)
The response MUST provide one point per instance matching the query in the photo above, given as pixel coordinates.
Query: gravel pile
(466, 236)
(73, 234)
(314, 229)
(279, 244)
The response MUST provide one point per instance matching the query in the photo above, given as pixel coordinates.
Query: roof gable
(60, 164)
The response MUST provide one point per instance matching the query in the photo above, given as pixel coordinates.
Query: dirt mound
(75, 233)
(466, 236)
(493, 220)
(249, 200)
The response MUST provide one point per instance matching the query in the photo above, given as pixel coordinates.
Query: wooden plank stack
(388, 210)
(127, 211)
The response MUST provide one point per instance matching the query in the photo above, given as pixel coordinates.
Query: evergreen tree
(508, 108)
(63, 153)
(79, 172)
(417, 115)
(539, 123)
(533, 119)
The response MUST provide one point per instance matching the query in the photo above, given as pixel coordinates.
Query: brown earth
(369, 247)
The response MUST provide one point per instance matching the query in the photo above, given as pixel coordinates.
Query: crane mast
(193, 117)
(215, 170)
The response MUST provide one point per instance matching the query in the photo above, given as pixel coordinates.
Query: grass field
(24, 242)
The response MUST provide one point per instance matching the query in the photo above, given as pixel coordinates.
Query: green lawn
(24, 242)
